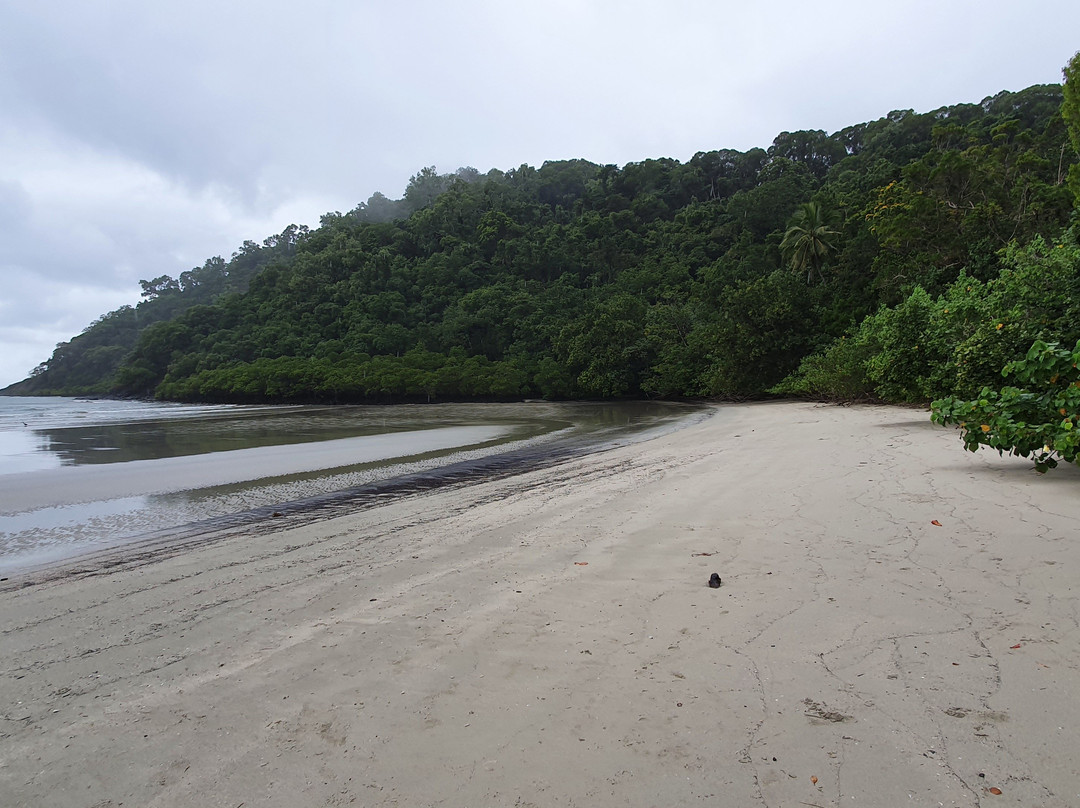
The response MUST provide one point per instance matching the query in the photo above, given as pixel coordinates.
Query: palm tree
(810, 236)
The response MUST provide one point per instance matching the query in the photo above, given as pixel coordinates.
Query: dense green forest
(904, 259)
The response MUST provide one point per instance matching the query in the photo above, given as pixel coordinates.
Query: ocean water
(79, 476)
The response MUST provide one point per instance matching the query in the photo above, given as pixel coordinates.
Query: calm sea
(79, 476)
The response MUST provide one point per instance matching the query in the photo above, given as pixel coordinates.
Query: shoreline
(308, 481)
(70, 485)
(549, 638)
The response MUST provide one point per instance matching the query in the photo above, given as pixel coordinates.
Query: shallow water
(80, 476)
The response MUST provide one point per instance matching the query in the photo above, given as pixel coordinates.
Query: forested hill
(902, 259)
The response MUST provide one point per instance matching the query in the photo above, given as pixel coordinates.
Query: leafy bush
(956, 343)
(1037, 420)
(836, 374)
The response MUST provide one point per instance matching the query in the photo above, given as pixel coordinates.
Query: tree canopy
(920, 232)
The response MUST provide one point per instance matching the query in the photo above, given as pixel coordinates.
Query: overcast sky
(141, 138)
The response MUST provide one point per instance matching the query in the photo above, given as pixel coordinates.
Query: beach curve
(896, 624)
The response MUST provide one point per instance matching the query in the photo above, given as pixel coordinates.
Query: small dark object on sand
(714, 581)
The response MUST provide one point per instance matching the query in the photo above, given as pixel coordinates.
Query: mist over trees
(901, 259)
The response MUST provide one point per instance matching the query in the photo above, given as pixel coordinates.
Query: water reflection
(239, 428)
(23, 451)
(150, 440)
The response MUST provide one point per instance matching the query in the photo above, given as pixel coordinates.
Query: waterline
(293, 459)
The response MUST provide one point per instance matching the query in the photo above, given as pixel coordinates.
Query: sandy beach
(898, 625)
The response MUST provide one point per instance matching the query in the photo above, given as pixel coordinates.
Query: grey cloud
(14, 209)
(141, 138)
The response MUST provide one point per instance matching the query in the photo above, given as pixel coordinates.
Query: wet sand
(75, 484)
(548, 639)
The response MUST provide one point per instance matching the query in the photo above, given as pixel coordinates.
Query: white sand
(549, 639)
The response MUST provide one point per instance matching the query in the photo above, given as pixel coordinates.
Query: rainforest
(906, 259)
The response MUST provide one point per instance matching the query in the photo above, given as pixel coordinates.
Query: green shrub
(1037, 419)
(838, 373)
